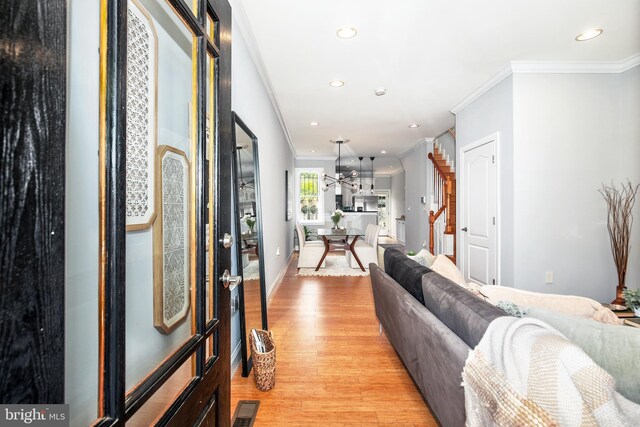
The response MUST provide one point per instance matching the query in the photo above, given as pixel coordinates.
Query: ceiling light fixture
(380, 91)
(383, 152)
(313, 151)
(336, 83)
(414, 125)
(314, 124)
(347, 32)
(341, 180)
(589, 34)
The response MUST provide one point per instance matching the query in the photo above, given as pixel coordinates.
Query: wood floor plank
(333, 366)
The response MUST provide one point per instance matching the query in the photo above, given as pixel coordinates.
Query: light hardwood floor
(333, 366)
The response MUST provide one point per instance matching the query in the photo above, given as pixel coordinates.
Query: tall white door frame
(495, 139)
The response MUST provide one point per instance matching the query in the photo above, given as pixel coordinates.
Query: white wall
(630, 159)
(416, 213)
(490, 113)
(397, 200)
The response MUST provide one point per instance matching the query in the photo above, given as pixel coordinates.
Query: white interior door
(384, 211)
(479, 211)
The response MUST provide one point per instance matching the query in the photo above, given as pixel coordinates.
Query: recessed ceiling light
(383, 152)
(313, 151)
(347, 32)
(414, 125)
(314, 124)
(589, 34)
(380, 91)
(336, 83)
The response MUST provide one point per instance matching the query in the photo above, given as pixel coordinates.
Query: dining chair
(310, 251)
(367, 249)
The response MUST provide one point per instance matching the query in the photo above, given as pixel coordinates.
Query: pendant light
(360, 174)
(372, 174)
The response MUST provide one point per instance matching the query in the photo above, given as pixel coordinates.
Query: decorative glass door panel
(384, 211)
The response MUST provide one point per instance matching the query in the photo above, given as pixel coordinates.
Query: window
(309, 196)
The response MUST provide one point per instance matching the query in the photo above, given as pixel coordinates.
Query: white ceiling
(428, 54)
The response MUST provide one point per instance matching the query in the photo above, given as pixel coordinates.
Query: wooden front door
(179, 372)
(112, 222)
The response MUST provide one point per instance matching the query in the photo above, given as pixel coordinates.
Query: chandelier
(341, 180)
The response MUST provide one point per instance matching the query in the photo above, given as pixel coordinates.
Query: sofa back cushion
(464, 313)
(406, 272)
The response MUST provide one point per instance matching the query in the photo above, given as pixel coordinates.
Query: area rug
(336, 266)
(251, 271)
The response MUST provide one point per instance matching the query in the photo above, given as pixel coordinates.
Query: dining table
(341, 235)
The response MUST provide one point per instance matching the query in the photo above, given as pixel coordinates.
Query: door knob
(464, 229)
(227, 240)
(227, 279)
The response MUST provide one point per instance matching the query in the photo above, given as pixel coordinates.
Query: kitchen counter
(360, 213)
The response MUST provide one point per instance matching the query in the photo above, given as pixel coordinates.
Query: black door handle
(464, 229)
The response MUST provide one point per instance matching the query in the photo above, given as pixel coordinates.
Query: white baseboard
(236, 358)
(276, 283)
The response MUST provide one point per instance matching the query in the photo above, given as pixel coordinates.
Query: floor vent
(246, 412)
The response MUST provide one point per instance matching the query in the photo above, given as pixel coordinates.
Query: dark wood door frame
(32, 177)
(32, 185)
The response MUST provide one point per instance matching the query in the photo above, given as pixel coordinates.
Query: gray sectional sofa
(432, 323)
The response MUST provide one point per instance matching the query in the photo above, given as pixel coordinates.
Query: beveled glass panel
(160, 144)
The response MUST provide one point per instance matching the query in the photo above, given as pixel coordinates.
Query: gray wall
(492, 112)
(567, 133)
(417, 214)
(630, 159)
(561, 137)
(81, 214)
(397, 200)
(250, 100)
(448, 144)
(383, 182)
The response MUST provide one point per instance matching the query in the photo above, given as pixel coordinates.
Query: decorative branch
(619, 222)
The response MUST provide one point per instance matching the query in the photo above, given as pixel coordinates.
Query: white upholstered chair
(310, 251)
(366, 249)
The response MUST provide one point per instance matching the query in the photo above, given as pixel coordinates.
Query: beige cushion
(424, 257)
(445, 267)
(568, 304)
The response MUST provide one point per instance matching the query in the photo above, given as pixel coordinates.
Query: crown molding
(494, 80)
(239, 14)
(550, 67)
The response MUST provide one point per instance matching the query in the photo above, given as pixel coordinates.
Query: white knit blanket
(523, 372)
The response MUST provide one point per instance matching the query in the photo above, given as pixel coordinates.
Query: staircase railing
(443, 191)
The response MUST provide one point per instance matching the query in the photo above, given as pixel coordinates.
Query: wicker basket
(264, 364)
